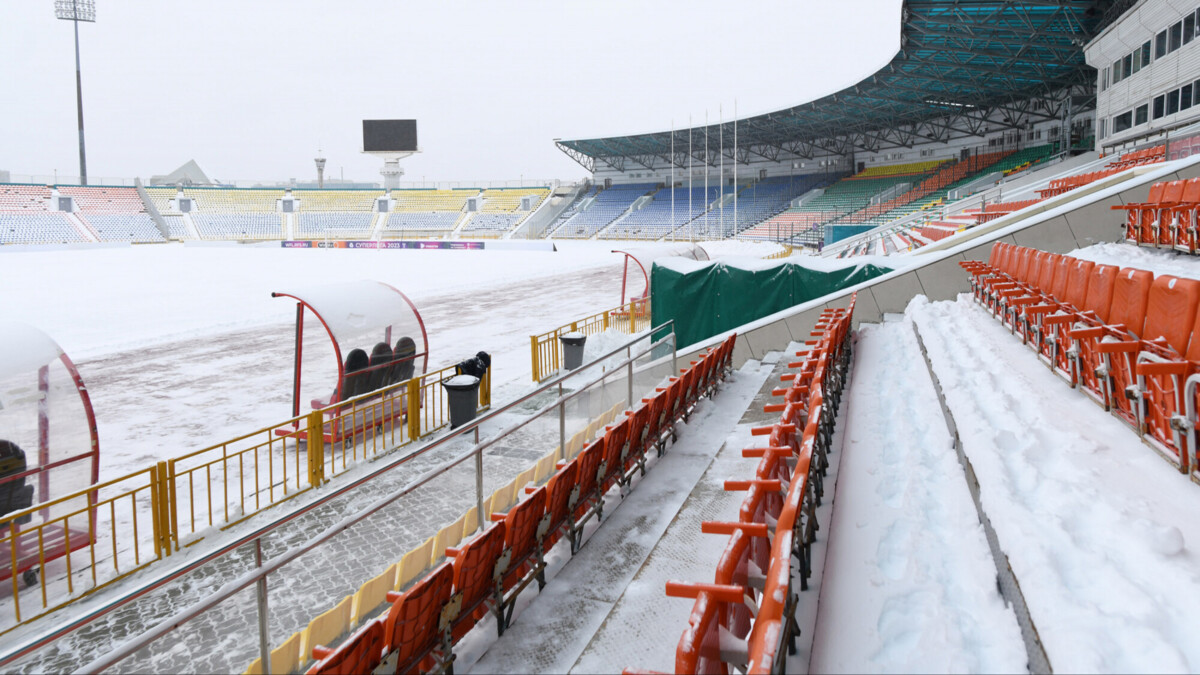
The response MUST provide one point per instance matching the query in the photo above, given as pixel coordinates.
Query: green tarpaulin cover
(709, 298)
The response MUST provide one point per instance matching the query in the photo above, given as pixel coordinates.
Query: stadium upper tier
(960, 67)
(432, 200)
(337, 200)
(103, 199)
(508, 200)
(233, 200)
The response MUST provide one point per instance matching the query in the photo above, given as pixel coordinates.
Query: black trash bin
(462, 395)
(572, 347)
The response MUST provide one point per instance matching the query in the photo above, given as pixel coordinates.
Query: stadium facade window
(1160, 106)
(1123, 122)
(1141, 115)
(1189, 28)
(1146, 53)
(1160, 45)
(1185, 97)
(1196, 92)
(1102, 132)
(1137, 60)
(1127, 65)
(1172, 102)
(1176, 36)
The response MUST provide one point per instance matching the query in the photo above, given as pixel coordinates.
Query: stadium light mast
(76, 11)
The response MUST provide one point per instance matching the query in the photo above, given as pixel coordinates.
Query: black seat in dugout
(15, 495)
(403, 360)
(381, 368)
(355, 377)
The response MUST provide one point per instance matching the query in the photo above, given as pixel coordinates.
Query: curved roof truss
(964, 68)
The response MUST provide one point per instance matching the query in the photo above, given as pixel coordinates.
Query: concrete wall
(1062, 225)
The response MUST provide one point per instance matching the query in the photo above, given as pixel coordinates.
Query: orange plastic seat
(413, 627)
(477, 576)
(362, 652)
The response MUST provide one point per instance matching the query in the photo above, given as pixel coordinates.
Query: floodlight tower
(76, 11)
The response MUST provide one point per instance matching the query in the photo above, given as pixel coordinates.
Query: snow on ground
(1159, 261)
(182, 347)
(98, 301)
(1099, 530)
(753, 249)
(915, 586)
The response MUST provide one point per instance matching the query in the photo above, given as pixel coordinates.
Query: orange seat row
(1129, 339)
(745, 618)
(489, 571)
(1168, 218)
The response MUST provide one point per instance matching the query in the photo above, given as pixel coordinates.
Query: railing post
(632, 312)
(562, 423)
(316, 448)
(629, 371)
(479, 484)
(414, 409)
(485, 390)
(161, 475)
(533, 352)
(264, 635)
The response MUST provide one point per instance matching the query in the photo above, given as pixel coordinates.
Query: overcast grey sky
(249, 89)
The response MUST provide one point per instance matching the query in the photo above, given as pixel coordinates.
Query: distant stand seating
(337, 200)
(924, 233)
(134, 227)
(493, 222)
(356, 224)
(434, 221)
(658, 218)
(24, 198)
(37, 228)
(227, 226)
(608, 205)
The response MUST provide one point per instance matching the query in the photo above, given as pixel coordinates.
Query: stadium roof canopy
(965, 68)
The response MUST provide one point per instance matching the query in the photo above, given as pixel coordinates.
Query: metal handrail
(255, 535)
(258, 576)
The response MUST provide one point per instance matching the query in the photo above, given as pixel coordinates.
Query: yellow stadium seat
(414, 563)
(325, 628)
(470, 520)
(371, 595)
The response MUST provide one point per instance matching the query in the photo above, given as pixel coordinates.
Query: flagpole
(690, 170)
(672, 179)
(705, 165)
(721, 154)
(735, 163)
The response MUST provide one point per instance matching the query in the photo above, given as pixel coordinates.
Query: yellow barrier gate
(120, 526)
(546, 351)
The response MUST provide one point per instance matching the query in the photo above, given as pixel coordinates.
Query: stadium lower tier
(234, 226)
(38, 228)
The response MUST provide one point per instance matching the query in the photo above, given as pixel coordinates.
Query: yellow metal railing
(785, 253)
(546, 349)
(96, 536)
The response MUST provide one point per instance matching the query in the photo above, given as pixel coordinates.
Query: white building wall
(1170, 72)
